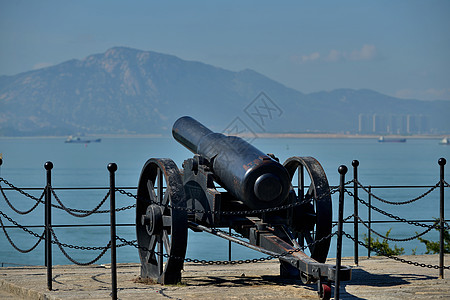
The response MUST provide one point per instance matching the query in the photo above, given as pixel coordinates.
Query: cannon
(277, 209)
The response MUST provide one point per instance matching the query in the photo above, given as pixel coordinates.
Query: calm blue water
(78, 165)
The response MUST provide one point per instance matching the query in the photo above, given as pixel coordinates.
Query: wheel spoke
(159, 181)
(301, 183)
(166, 198)
(160, 256)
(166, 241)
(309, 239)
(310, 193)
(151, 191)
(151, 248)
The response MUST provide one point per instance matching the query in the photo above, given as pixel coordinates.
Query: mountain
(127, 91)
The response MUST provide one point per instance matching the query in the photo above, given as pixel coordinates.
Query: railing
(351, 188)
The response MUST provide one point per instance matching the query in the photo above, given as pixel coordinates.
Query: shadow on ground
(362, 277)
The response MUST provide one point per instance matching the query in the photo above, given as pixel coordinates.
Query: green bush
(433, 247)
(382, 248)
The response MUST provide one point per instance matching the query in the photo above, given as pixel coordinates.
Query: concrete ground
(374, 278)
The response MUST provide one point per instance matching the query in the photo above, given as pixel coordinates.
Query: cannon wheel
(317, 213)
(159, 227)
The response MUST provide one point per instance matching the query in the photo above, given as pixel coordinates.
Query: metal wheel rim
(160, 185)
(319, 192)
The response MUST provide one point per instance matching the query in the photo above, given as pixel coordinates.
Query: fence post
(48, 224)
(112, 167)
(229, 246)
(342, 170)
(355, 165)
(441, 163)
(369, 216)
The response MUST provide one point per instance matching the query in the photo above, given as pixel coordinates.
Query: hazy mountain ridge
(130, 91)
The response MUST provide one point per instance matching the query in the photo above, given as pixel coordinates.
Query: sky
(398, 48)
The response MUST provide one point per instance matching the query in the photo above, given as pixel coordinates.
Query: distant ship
(77, 139)
(445, 141)
(383, 139)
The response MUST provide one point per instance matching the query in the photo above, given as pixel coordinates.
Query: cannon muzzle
(250, 175)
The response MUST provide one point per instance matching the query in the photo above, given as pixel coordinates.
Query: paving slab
(374, 278)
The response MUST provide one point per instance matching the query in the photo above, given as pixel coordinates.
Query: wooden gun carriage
(231, 184)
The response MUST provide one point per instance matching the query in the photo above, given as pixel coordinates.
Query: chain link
(18, 225)
(88, 213)
(17, 210)
(56, 241)
(399, 240)
(226, 262)
(402, 202)
(18, 189)
(388, 214)
(417, 264)
(15, 246)
(38, 200)
(233, 213)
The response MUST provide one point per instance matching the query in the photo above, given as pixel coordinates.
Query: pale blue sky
(400, 48)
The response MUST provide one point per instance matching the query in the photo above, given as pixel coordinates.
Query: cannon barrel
(247, 173)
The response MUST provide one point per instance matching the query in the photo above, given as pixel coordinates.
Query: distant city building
(393, 124)
(365, 123)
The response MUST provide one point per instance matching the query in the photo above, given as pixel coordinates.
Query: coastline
(253, 135)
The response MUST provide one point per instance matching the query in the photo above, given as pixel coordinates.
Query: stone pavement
(374, 278)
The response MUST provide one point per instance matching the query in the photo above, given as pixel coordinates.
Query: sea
(414, 163)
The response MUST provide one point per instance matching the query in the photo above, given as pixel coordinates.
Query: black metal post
(441, 163)
(112, 167)
(342, 170)
(355, 165)
(369, 216)
(229, 246)
(48, 223)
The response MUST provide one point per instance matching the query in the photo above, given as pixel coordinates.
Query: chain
(243, 212)
(73, 260)
(57, 242)
(39, 200)
(399, 240)
(417, 264)
(20, 211)
(18, 225)
(446, 225)
(225, 262)
(95, 210)
(28, 195)
(399, 203)
(19, 190)
(88, 213)
(15, 246)
(69, 211)
(273, 209)
(53, 242)
(346, 219)
(388, 214)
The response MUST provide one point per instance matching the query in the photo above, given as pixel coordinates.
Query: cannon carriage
(278, 209)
